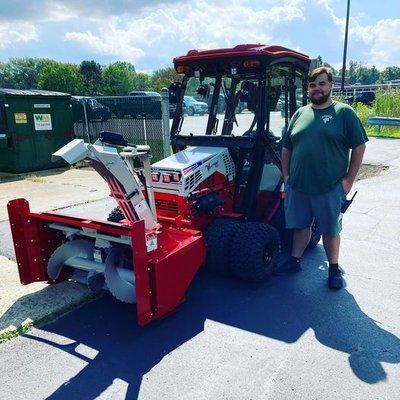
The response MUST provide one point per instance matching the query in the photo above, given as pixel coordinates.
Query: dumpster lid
(32, 92)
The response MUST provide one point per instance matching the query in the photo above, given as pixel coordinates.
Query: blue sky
(150, 33)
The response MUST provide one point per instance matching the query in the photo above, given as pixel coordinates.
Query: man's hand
(347, 184)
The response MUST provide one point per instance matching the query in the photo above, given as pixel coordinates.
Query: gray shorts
(301, 209)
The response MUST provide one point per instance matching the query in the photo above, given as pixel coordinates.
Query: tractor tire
(255, 250)
(279, 223)
(218, 237)
(115, 215)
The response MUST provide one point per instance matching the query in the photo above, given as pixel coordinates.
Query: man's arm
(285, 162)
(355, 163)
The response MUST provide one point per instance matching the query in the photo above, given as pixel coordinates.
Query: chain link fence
(140, 120)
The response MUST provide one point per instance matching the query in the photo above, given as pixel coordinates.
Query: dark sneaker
(335, 278)
(291, 266)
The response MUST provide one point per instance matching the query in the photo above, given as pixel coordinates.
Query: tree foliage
(22, 73)
(163, 78)
(91, 76)
(61, 77)
(359, 73)
(118, 79)
(389, 74)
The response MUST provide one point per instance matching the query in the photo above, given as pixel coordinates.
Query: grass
(34, 178)
(13, 331)
(385, 105)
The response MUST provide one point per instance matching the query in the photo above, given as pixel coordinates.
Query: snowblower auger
(137, 260)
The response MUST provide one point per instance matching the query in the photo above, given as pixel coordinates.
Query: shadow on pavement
(282, 309)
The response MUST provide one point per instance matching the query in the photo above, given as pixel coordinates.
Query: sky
(150, 33)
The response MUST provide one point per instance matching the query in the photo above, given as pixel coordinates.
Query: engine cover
(182, 172)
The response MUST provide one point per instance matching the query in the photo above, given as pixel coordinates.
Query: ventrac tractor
(217, 201)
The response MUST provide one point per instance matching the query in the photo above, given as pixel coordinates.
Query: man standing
(319, 171)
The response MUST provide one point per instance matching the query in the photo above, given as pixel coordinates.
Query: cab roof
(242, 51)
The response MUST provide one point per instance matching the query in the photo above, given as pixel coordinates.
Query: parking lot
(287, 338)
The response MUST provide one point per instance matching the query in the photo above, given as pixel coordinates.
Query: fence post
(165, 121)
(86, 120)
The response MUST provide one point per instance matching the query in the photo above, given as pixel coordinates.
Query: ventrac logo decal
(326, 118)
(214, 164)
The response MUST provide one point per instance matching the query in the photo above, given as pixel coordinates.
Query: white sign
(42, 122)
(41, 105)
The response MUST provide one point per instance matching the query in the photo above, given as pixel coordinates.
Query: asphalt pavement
(289, 338)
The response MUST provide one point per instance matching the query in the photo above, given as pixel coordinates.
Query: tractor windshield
(228, 105)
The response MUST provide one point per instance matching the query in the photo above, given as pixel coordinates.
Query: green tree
(359, 73)
(118, 78)
(92, 77)
(319, 62)
(61, 77)
(163, 78)
(141, 81)
(389, 73)
(22, 73)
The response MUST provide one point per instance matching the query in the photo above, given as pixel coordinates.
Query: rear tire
(218, 238)
(255, 250)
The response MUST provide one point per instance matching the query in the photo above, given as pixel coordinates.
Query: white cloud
(192, 24)
(16, 32)
(106, 45)
(382, 39)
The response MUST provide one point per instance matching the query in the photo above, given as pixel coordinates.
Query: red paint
(240, 51)
(162, 276)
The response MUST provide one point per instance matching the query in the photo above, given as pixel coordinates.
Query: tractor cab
(261, 86)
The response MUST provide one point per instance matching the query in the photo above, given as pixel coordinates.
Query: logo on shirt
(326, 118)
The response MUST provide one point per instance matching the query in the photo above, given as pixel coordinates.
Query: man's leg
(331, 246)
(327, 210)
(301, 238)
(297, 216)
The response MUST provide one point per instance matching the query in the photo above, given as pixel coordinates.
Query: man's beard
(320, 100)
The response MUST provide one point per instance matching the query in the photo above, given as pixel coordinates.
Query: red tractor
(217, 201)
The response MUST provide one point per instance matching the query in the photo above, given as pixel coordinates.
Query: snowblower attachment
(138, 260)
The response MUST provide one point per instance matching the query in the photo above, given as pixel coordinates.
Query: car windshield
(190, 99)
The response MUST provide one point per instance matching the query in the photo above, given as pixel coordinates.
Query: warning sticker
(20, 118)
(42, 122)
(151, 242)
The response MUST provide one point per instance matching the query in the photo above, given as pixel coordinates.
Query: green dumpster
(33, 125)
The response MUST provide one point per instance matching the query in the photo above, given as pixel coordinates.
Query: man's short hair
(312, 76)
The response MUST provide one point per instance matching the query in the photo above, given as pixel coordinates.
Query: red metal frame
(162, 276)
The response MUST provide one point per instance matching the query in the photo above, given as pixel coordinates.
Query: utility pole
(345, 46)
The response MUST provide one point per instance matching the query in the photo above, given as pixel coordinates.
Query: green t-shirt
(320, 143)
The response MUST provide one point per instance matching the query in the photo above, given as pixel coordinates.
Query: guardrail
(383, 121)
